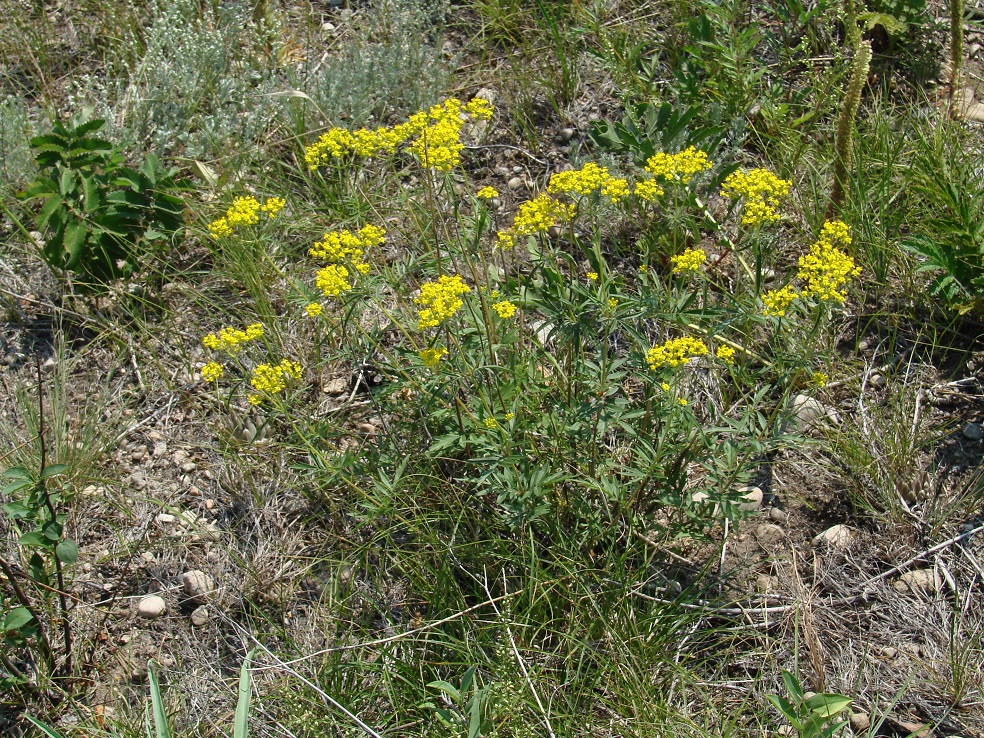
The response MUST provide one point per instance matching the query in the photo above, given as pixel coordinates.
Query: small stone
(188, 467)
(138, 480)
(139, 453)
(919, 581)
(160, 449)
(515, 183)
(197, 586)
(765, 583)
(836, 536)
(973, 431)
(199, 616)
(151, 607)
(787, 731)
(751, 499)
(913, 649)
(565, 135)
(769, 534)
(147, 556)
(778, 515)
(209, 504)
(860, 721)
(809, 413)
(336, 387)
(180, 456)
(165, 519)
(368, 428)
(916, 730)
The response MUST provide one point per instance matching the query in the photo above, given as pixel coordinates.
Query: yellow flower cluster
(231, 340)
(332, 280)
(726, 354)
(431, 357)
(535, 216)
(819, 379)
(675, 352)
(649, 190)
(689, 261)
(272, 379)
(680, 167)
(487, 193)
(434, 136)
(244, 211)
(504, 309)
(776, 302)
(826, 269)
(587, 180)
(491, 423)
(761, 190)
(313, 309)
(212, 371)
(344, 245)
(440, 300)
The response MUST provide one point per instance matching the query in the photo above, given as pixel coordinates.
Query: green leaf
(16, 510)
(67, 551)
(161, 728)
(828, 705)
(32, 538)
(447, 688)
(53, 470)
(475, 723)
(240, 728)
(88, 127)
(17, 472)
(16, 619)
(16, 486)
(75, 233)
(792, 686)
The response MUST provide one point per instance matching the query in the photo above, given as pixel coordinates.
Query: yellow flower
(231, 339)
(593, 276)
(664, 386)
(505, 309)
(826, 269)
(612, 303)
(675, 352)
(509, 416)
(590, 178)
(776, 302)
(212, 371)
(487, 193)
(819, 379)
(689, 261)
(440, 300)
(220, 228)
(682, 401)
(677, 167)
(479, 108)
(273, 206)
(761, 190)
(340, 246)
(313, 309)
(432, 356)
(535, 216)
(332, 280)
(726, 354)
(273, 379)
(491, 423)
(649, 190)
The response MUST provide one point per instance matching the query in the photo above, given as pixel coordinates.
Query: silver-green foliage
(16, 129)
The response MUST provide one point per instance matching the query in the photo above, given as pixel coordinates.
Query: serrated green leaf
(16, 619)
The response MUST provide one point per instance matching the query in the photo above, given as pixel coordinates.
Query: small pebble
(751, 499)
(860, 721)
(197, 586)
(151, 607)
(199, 616)
(769, 534)
(515, 183)
(973, 431)
(836, 536)
(777, 515)
(165, 519)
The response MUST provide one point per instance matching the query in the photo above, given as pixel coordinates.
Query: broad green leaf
(93, 125)
(75, 233)
(16, 510)
(447, 688)
(32, 538)
(16, 486)
(17, 619)
(67, 551)
(17, 472)
(828, 705)
(53, 470)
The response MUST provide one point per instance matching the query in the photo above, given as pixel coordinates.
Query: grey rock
(197, 586)
(765, 583)
(199, 616)
(515, 183)
(336, 387)
(777, 515)
(151, 607)
(860, 721)
(836, 536)
(973, 431)
(807, 413)
(919, 581)
(769, 534)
